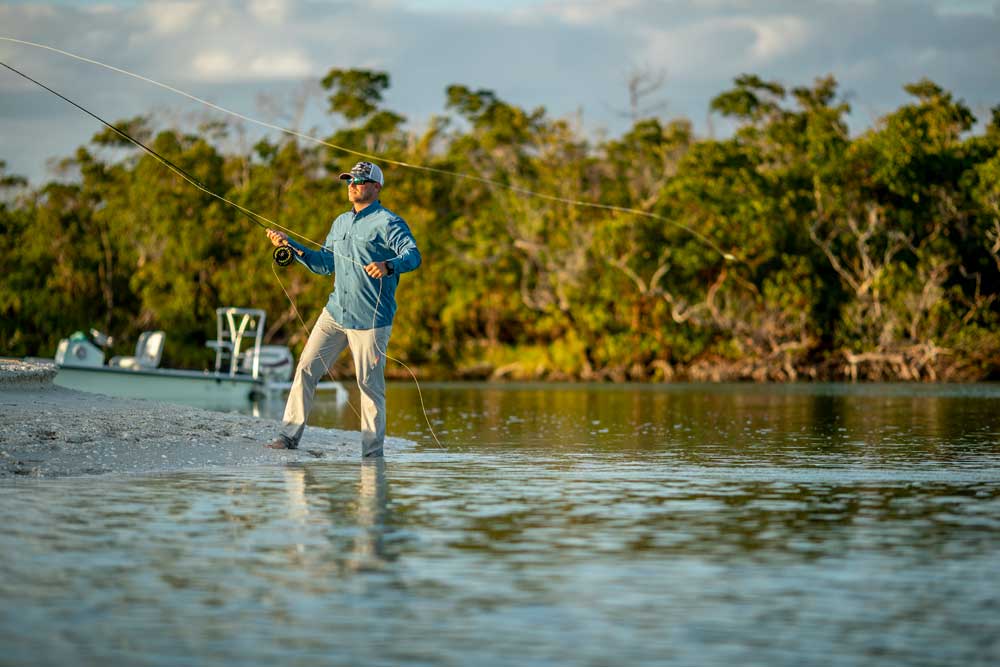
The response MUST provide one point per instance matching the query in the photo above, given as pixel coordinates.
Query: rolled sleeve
(401, 241)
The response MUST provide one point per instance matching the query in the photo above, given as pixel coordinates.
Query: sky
(573, 57)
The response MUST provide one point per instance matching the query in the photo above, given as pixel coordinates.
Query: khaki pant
(327, 340)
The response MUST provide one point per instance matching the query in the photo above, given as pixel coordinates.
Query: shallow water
(568, 525)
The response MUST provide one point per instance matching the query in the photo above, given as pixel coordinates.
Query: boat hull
(214, 391)
(173, 386)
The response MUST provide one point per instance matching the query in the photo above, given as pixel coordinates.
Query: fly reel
(283, 255)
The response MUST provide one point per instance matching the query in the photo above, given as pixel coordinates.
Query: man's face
(362, 193)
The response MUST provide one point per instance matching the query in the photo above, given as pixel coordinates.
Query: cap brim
(346, 176)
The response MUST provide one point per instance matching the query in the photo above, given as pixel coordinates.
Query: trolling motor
(283, 255)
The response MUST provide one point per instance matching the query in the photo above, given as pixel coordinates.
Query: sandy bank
(48, 431)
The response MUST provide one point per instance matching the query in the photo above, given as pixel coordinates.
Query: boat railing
(239, 333)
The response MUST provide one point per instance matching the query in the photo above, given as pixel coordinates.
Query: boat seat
(148, 351)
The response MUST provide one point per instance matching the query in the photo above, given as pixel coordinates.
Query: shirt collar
(371, 208)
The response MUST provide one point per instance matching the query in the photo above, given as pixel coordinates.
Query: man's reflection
(370, 513)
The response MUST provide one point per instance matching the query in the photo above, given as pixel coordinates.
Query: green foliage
(356, 92)
(874, 256)
(137, 128)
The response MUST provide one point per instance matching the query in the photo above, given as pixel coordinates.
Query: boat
(246, 371)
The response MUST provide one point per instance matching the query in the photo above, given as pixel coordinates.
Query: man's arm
(400, 240)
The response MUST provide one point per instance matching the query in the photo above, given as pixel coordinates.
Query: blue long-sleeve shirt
(374, 234)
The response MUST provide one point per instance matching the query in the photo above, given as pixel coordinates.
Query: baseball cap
(364, 170)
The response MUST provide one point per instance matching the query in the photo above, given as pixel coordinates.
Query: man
(367, 248)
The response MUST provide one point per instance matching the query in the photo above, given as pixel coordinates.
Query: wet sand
(49, 431)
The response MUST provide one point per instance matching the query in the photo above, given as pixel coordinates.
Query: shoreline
(48, 431)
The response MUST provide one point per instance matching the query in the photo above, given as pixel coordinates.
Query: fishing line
(282, 255)
(729, 257)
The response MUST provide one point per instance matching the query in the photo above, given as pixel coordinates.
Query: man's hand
(277, 238)
(376, 270)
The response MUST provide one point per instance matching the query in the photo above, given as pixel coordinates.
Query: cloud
(214, 64)
(288, 65)
(585, 13)
(777, 36)
(168, 18)
(272, 12)
(219, 65)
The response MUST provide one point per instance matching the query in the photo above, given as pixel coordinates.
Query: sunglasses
(359, 181)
